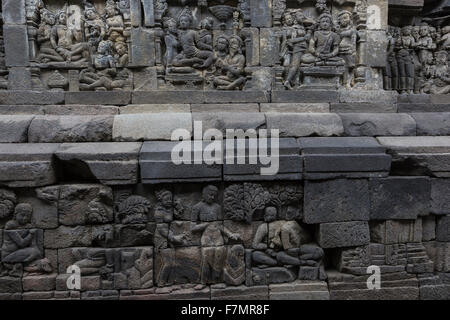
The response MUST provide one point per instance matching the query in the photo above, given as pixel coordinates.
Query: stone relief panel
(418, 58)
(3, 69)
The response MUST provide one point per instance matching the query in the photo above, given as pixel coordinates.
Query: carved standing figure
(347, 46)
(405, 61)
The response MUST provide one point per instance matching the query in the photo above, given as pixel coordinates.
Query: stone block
(236, 97)
(252, 51)
(111, 163)
(240, 293)
(443, 229)
(261, 13)
(31, 98)
(380, 96)
(79, 110)
(295, 107)
(262, 78)
(157, 166)
(10, 285)
(222, 108)
(44, 202)
(363, 107)
(299, 290)
(269, 47)
(305, 96)
(167, 97)
(27, 165)
(227, 120)
(377, 46)
(39, 283)
(98, 97)
(16, 45)
(343, 234)
(70, 129)
(377, 14)
(377, 124)
(396, 231)
(142, 127)
(19, 79)
(155, 108)
(432, 124)
(13, 11)
(336, 201)
(440, 196)
(428, 228)
(145, 79)
(399, 198)
(304, 125)
(14, 128)
(143, 52)
(349, 157)
(66, 237)
(245, 164)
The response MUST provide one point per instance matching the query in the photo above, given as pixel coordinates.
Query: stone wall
(87, 181)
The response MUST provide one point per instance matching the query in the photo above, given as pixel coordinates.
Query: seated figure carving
(231, 68)
(47, 52)
(324, 45)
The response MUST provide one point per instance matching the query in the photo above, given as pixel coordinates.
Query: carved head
(407, 30)
(321, 5)
(164, 198)
(111, 9)
(62, 17)
(7, 201)
(235, 44)
(441, 57)
(48, 17)
(185, 20)
(300, 16)
(345, 18)
(121, 48)
(288, 19)
(444, 30)
(22, 213)
(170, 24)
(210, 194)
(90, 13)
(207, 23)
(105, 47)
(222, 43)
(424, 30)
(270, 214)
(325, 21)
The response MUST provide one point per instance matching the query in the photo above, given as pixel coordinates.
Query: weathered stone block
(363, 107)
(27, 165)
(343, 234)
(440, 196)
(432, 124)
(65, 237)
(16, 45)
(380, 96)
(96, 97)
(31, 97)
(396, 231)
(71, 129)
(261, 13)
(240, 293)
(399, 198)
(304, 125)
(336, 201)
(111, 163)
(19, 79)
(155, 108)
(39, 283)
(428, 228)
(228, 120)
(13, 11)
(269, 49)
(305, 96)
(443, 229)
(295, 107)
(158, 126)
(10, 285)
(299, 290)
(14, 128)
(376, 124)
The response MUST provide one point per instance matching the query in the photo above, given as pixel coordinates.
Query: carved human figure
(8, 200)
(285, 48)
(204, 36)
(190, 55)
(208, 212)
(347, 46)
(324, 45)
(390, 71)
(133, 209)
(321, 6)
(65, 43)
(107, 79)
(444, 41)
(114, 21)
(441, 83)
(406, 68)
(94, 27)
(47, 52)
(170, 40)
(164, 207)
(234, 269)
(94, 261)
(232, 67)
(296, 41)
(20, 245)
(104, 56)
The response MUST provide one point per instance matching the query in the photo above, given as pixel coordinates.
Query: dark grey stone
(377, 46)
(423, 107)
(31, 98)
(14, 128)
(363, 107)
(27, 165)
(399, 198)
(167, 97)
(443, 229)
(432, 124)
(94, 97)
(261, 13)
(414, 98)
(305, 96)
(440, 196)
(10, 285)
(376, 124)
(71, 129)
(142, 48)
(111, 163)
(229, 120)
(343, 234)
(16, 45)
(305, 124)
(156, 165)
(19, 79)
(336, 201)
(13, 11)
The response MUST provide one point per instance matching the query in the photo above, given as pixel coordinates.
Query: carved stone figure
(104, 59)
(234, 269)
(231, 67)
(324, 45)
(133, 209)
(47, 52)
(104, 80)
(406, 45)
(8, 201)
(390, 72)
(171, 40)
(347, 46)
(164, 208)
(441, 83)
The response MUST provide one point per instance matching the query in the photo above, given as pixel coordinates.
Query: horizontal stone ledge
(432, 124)
(14, 128)
(54, 129)
(378, 124)
(363, 107)
(31, 97)
(295, 107)
(359, 96)
(343, 234)
(155, 108)
(305, 124)
(223, 121)
(305, 96)
(111, 163)
(225, 107)
(199, 97)
(98, 97)
(27, 165)
(151, 126)
(423, 107)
